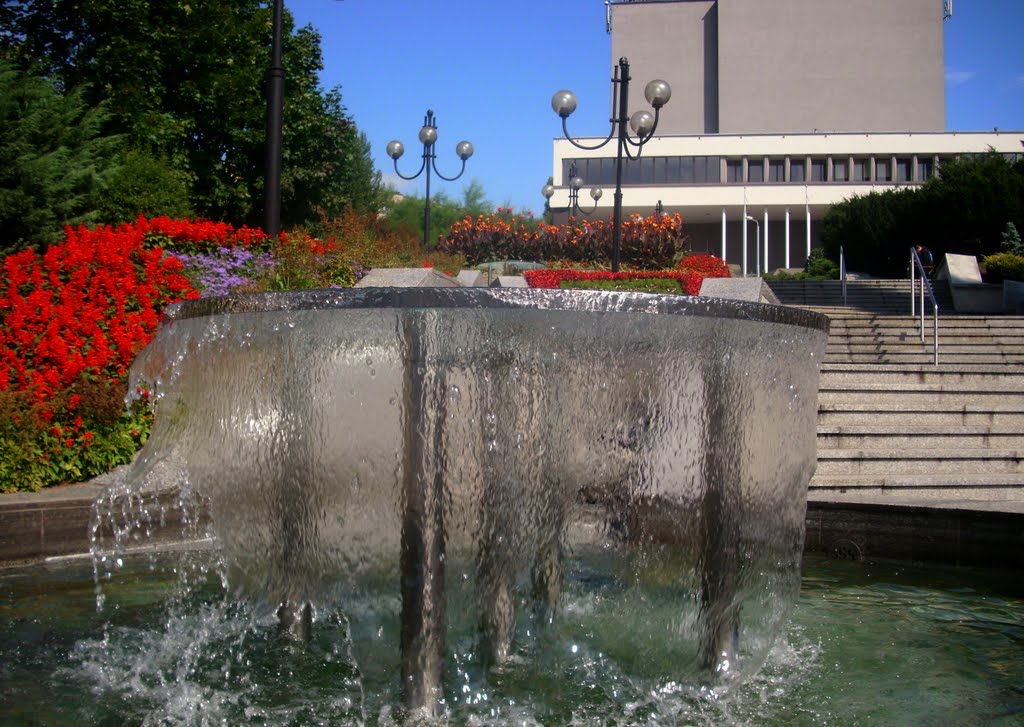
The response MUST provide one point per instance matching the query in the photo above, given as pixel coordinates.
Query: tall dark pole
(622, 77)
(275, 114)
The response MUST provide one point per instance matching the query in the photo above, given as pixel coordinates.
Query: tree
(963, 211)
(1011, 241)
(185, 83)
(52, 159)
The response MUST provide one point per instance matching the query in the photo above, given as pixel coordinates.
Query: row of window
(756, 170)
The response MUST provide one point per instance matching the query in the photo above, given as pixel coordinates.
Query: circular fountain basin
(466, 458)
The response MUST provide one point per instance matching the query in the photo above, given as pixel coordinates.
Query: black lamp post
(642, 123)
(428, 135)
(275, 113)
(575, 184)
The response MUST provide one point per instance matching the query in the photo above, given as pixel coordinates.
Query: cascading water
(476, 482)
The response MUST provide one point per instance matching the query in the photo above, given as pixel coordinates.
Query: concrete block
(407, 278)
(512, 281)
(1013, 296)
(752, 290)
(473, 278)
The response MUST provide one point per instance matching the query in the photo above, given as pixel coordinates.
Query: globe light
(395, 149)
(464, 149)
(596, 193)
(564, 103)
(658, 93)
(576, 182)
(428, 134)
(548, 190)
(642, 123)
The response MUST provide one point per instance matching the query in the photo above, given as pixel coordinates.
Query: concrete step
(896, 397)
(959, 486)
(863, 413)
(924, 438)
(927, 357)
(920, 462)
(986, 345)
(850, 375)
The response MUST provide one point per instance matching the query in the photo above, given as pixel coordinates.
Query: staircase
(881, 297)
(891, 424)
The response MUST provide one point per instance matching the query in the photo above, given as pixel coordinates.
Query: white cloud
(955, 78)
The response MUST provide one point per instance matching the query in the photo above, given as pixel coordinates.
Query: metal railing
(917, 268)
(842, 271)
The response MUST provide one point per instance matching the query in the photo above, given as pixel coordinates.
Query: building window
(776, 170)
(818, 170)
(861, 170)
(797, 170)
(903, 167)
(734, 171)
(925, 170)
(755, 171)
(882, 171)
(839, 170)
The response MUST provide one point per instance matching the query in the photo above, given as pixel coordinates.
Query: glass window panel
(924, 169)
(861, 170)
(903, 168)
(700, 170)
(686, 170)
(755, 171)
(818, 170)
(882, 172)
(646, 170)
(672, 170)
(839, 171)
(734, 171)
(797, 170)
(714, 169)
(776, 170)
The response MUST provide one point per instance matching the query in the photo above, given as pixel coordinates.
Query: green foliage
(52, 159)
(1003, 266)
(962, 211)
(648, 285)
(406, 215)
(37, 453)
(818, 267)
(185, 83)
(142, 184)
(1011, 240)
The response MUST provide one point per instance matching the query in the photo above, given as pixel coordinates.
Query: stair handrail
(842, 271)
(916, 266)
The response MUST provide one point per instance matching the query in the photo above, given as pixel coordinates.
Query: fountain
(470, 455)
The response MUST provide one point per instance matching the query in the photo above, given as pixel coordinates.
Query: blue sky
(488, 71)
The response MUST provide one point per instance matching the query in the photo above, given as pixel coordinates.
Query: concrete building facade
(780, 108)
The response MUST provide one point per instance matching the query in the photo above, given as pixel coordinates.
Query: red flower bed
(689, 281)
(86, 306)
(71, 322)
(708, 266)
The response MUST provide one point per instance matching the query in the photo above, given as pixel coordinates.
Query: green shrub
(650, 285)
(1004, 266)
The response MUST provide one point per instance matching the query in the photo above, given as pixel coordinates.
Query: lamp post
(575, 184)
(428, 136)
(757, 241)
(275, 113)
(659, 209)
(642, 123)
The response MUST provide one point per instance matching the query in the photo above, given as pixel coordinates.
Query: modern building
(780, 108)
